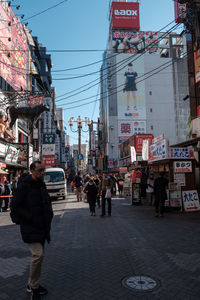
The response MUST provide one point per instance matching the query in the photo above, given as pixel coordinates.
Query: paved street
(90, 256)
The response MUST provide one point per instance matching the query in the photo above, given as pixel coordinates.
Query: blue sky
(82, 25)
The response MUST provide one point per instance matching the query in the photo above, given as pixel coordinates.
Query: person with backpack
(78, 185)
(31, 208)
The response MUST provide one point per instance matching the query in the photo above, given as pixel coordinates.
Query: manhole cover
(140, 283)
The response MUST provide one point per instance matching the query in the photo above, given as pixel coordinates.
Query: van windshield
(53, 176)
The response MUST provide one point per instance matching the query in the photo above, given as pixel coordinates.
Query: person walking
(6, 193)
(78, 185)
(160, 185)
(150, 189)
(31, 205)
(105, 188)
(97, 181)
(91, 191)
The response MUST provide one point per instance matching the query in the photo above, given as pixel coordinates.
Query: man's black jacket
(32, 204)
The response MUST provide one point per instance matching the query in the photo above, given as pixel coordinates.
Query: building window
(150, 93)
(151, 127)
(151, 109)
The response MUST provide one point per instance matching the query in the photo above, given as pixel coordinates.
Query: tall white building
(144, 78)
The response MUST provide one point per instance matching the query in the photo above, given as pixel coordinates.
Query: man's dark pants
(104, 204)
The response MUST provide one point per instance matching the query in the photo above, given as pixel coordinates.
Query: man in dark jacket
(31, 204)
(91, 191)
(160, 185)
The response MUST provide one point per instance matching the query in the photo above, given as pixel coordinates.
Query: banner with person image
(131, 93)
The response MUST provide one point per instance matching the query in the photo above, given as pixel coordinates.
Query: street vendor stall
(179, 165)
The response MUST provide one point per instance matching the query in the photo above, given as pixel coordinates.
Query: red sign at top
(125, 15)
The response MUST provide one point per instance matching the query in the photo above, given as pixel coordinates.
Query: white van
(55, 181)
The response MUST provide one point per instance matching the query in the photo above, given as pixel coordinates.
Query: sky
(76, 25)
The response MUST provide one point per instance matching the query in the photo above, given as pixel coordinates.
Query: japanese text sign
(48, 160)
(12, 154)
(48, 138)
(182, 153)
(159, 150)
(182, 166)
(190, 200)
(125, 15)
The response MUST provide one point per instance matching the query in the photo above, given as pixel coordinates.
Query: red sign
(35, 100)
(139, 138)
(48, 160)
(13, 48)
(125, 15)
(180, 11)
(2, 165)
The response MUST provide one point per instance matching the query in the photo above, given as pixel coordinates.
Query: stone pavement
(90, 256)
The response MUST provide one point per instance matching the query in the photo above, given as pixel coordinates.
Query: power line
(126, 60)
(123, 84)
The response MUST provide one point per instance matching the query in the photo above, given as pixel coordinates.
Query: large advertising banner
(125, 15)
(13, 48)
(131, 94)
(180, 10)
(128, 41)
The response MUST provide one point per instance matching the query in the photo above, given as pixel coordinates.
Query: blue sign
(80, 156)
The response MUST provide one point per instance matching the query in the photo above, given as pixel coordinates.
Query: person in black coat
(160, 185)
(32, 206)
(91, 190)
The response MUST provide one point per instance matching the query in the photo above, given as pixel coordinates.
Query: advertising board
(139, 138)
(35, 100)
(47, 116)
(182, 166)
(13, 48)
(182, 153)
(190, 200)
(12, 154)
(48, 160)
(131, 95)
(159, 150)
(180, 10)
(128, 41)
(197, 65)
(125, 15)
(129, 127)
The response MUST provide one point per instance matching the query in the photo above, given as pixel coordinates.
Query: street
(89, 257)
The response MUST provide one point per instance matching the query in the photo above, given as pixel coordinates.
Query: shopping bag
(108, 194)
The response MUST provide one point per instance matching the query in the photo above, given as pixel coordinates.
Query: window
(151, 109)
(150, 93)
(151, 127)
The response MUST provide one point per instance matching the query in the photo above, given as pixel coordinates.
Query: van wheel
(63, 197)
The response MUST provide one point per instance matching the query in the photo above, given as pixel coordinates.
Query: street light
(79, 128)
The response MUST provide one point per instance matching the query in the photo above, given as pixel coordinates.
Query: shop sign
(48, 149)
(12, 154)
(35, 100)
(139, 139)
(125, 15)
(197, 65)
(159, 150)
(182, 153)
(48, 138)
(133, 154)
(182, 166)
(179, 179)
(180, 11)
(110, 163)
(3, 150)
(190, 200)
(48, 160)
(145, 150)
(75, 155)
(158, 138)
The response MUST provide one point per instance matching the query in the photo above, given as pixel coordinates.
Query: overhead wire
(171, 63)
(122, 63)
